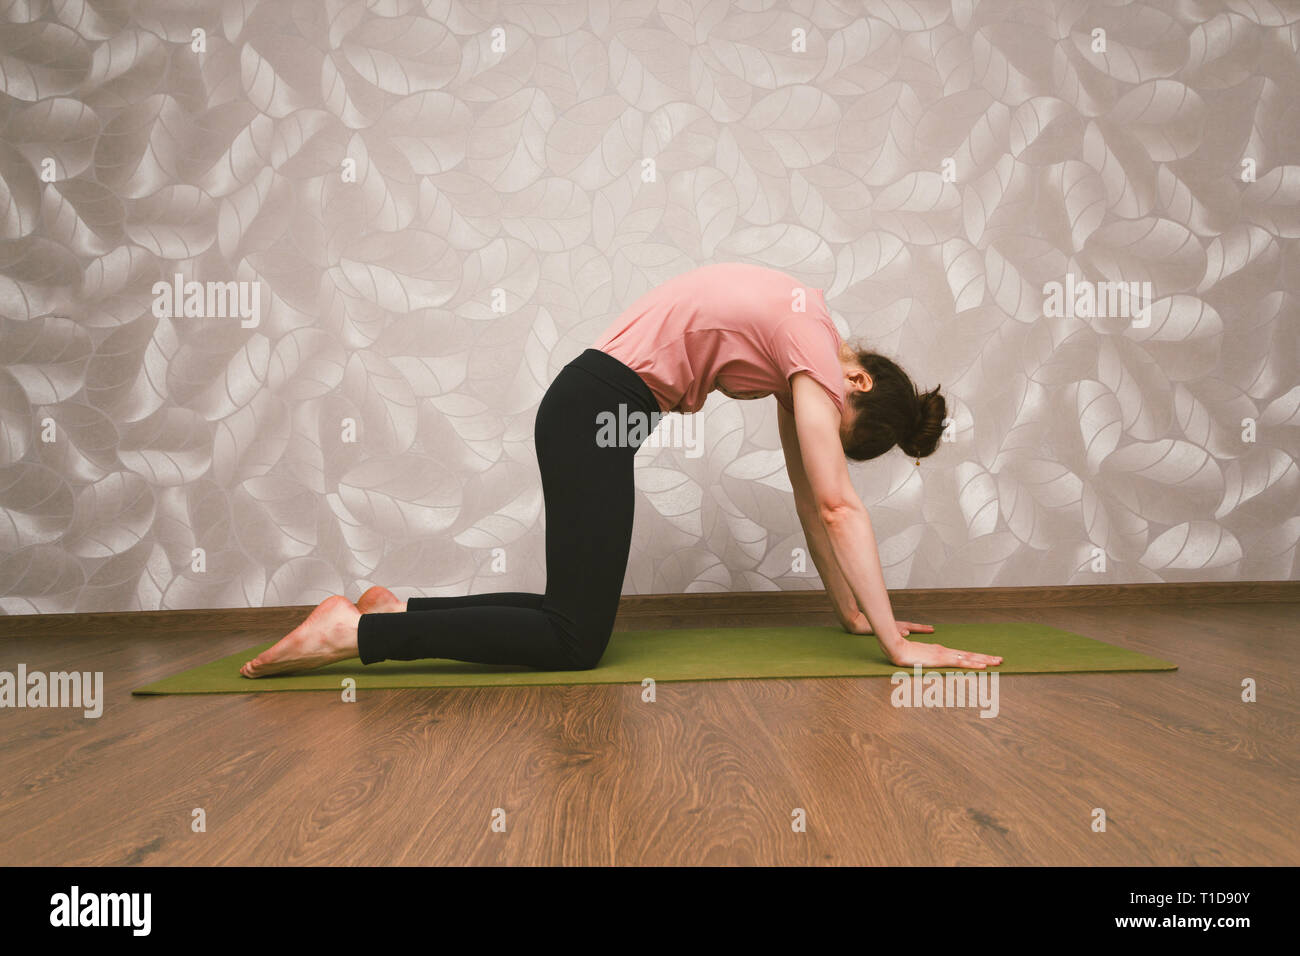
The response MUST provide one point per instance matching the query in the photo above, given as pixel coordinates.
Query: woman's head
(888, 410)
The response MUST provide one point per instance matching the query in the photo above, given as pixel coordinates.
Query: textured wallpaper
(282, 283)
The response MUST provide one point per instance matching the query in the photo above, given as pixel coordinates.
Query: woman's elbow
(834, 511)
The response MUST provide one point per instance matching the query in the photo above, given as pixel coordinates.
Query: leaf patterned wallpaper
(404, 218)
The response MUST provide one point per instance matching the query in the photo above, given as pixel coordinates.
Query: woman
(749, 332)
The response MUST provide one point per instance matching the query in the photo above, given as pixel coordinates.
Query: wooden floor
(709, 774)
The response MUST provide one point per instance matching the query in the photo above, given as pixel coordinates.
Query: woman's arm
(849, 531)
(845, 604)
(837, 587)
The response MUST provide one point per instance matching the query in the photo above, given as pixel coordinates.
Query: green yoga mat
(715, 653)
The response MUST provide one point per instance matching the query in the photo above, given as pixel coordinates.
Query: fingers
(917, 628)
(936, 655)
(973, 660)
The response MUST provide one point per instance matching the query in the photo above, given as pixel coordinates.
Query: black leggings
(589, 495)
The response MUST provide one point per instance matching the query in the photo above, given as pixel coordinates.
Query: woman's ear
(859, 379)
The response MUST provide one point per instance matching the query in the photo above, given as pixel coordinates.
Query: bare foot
(379, 600)
(329, 634)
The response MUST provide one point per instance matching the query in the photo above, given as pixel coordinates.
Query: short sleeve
(804, 344)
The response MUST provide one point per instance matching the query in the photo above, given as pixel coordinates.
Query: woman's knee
(582, 621)
(587, 647)
(588, 656)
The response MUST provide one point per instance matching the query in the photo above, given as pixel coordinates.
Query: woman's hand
(860, 625)
(908, 653)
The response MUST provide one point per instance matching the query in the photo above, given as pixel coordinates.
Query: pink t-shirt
(730, 326)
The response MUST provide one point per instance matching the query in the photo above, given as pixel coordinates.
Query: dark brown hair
(893, 413)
